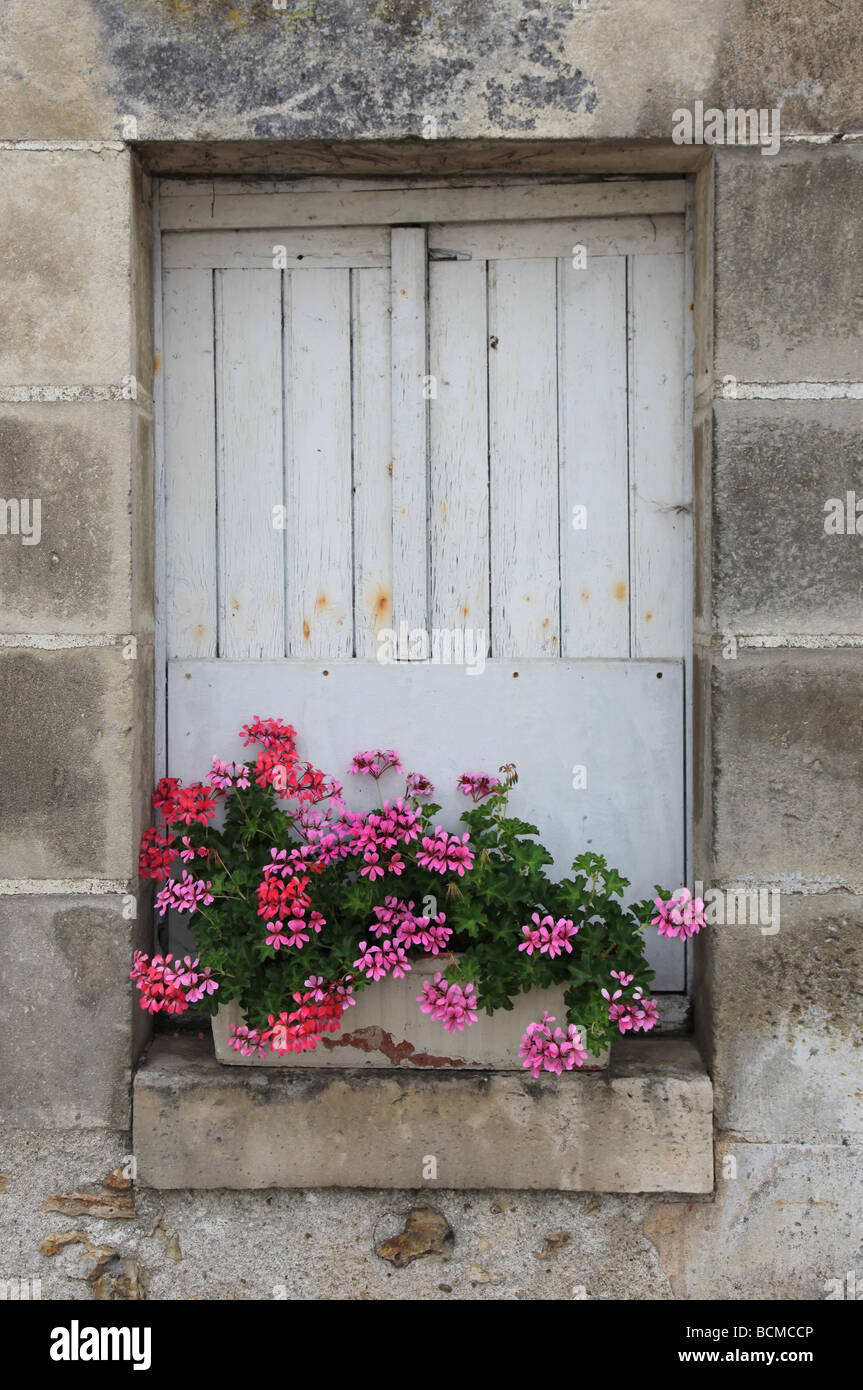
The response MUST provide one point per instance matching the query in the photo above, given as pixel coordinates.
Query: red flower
(274, 769)
(299, 1031)
(190, 804)
(165, 794)
(156, 854)
(278, 898)
(272, 734)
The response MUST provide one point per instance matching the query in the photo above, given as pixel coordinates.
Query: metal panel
(622, 721)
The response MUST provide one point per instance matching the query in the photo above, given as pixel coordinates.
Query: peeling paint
(378, 1040)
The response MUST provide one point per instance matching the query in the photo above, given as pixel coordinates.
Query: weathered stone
(198, 1124)
(78, 948)
(788, 1022)
(116, 1181)
(141, 210)
(65, 220)
(792, 54)
(775, 568)
(554, 1242)
(785, 1224)
(93, 1263)
(426, 1232)
(107, 1206)
(70, 798)
(172, 1248)
(142, 552)
(788, 302)
(121, 1281)
(788, 740)
(77, 460)
(58, 1240)
(229, 70)
(54, 74)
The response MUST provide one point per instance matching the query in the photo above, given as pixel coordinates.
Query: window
(425, 484)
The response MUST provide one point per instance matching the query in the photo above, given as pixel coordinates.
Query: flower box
(298, 909)
(385, 1028)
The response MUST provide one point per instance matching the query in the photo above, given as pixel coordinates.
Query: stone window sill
(644, 1125)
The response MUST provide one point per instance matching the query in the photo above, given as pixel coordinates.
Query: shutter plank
(251, 549)
(409, 427)
(525, 524)
(593, 459)
(657, 465)
(318, 402)
(458, 446)
(373, 486)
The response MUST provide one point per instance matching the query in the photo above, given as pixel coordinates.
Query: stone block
(792, 54)
(785, 1224)
(788, 243)
(787, 745)
(55, 77)
(643, 1126)
(70, 793)
(68, 1010)
(788, 1022)
(776, 570)
(83, 462)
(65, 221)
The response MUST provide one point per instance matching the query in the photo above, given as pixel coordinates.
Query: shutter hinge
(439, 254)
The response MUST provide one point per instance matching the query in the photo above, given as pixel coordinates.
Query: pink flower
(297, 932)
(388, 916)
(554, 1052)
(622, 977)
(224, 776)
(548, 936)
(377, 961)
(184, 894)
(374, 763)
(453, 1005)
(417, 785)
(635, 1014)
(441, 852)
(246, 1040)
(477, 784)
(681, 916)
(276, 936)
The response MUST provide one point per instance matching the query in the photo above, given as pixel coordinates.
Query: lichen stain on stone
(408, 15)
(343, 70)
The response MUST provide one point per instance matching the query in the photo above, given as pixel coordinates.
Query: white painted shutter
(429, 405)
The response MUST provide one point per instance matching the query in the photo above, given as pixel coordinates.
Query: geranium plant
(298, 902)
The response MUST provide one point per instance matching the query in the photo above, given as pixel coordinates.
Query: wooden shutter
(428, 408)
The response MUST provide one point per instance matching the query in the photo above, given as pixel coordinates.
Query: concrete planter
(387, 1029)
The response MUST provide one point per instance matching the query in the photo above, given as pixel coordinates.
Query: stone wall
(96, 101)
